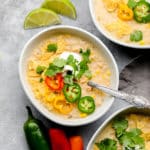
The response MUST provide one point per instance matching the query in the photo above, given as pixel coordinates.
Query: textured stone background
(12, 98)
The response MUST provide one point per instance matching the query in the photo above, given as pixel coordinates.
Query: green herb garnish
(85, 55)
(79, 68)
(107, 144)
(52, 70)
(52, 47)
(41, 80)
(120, 124)
(133, 3)
(55, 67)
(40, 69)
(71, 61)
(68, 79)
(136, 36)
(83, 65)
(59, 62)
(88, 74)
(131, 140)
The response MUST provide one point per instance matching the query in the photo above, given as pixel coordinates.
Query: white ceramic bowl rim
(44, 111)
(111, 38)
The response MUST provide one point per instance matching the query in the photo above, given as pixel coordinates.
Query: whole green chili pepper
(34, 133)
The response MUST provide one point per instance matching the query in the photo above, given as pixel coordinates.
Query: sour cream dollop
(76, 56)
(65, 55)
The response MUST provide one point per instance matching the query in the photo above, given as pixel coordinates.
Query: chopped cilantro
(52, 70)
(88, 74)
(40, 69)
(83, 65)
(59, 62)
(86, 55)
(107, 144)
(79, 68)
(55, 67)
(71, 61)
(136, 36)
(79, 74)
(52, 47)
(131, 140)
(41, 80)
(132, 3)
(120, 124)
(81, 50)
(68, 79)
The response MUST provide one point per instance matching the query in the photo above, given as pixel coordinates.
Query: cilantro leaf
(68, 79)
(81, 50)
(120, 124)
(70, 59)
(136, 36)
(79, 74)
(59, 62)
(40, 69)
(41, 80)
(72, 62)
(131, 140)
(52, 70)
(52, 47)
(86, 55)
(55, 67)
(88, 74)
(107, 144)
(133, 3)
(83, 67)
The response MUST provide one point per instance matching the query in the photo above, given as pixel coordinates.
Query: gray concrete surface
(12, 97)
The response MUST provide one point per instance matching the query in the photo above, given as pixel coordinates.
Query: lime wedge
(41, 17)
(63, 7)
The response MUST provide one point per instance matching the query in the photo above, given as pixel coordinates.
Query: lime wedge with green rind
(63, 7)
(41, 17)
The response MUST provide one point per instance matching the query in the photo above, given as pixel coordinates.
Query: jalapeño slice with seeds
(86, 104)
(72, 92)
(142, 12)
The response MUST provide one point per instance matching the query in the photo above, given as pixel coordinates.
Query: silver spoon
(139, 101)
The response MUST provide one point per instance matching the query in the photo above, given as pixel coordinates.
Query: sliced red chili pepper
(58, 139)
(55, 83)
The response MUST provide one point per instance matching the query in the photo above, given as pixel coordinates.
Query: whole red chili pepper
(58, 139)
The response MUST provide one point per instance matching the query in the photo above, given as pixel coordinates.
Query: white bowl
(122, 111)
(108, 36)
(34, 41)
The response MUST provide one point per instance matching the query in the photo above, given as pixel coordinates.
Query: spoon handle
(140, 101)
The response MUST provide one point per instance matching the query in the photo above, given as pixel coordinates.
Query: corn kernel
(82, 115)
(148, 25)
(97, 71)
(49, 98)
(94, 75)
(108, 72)
(142, 42)
(94, 96)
